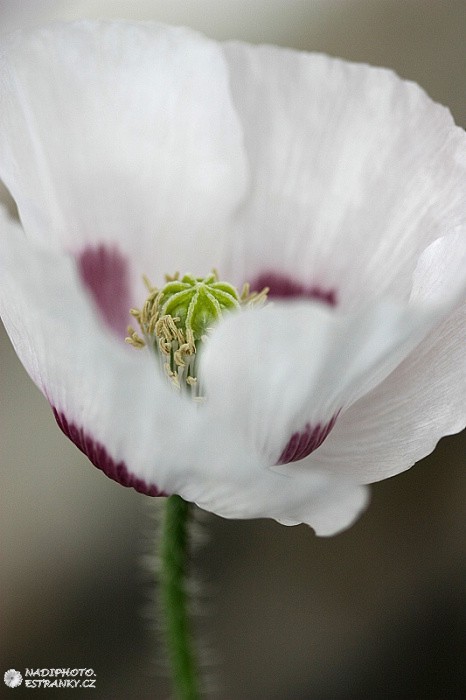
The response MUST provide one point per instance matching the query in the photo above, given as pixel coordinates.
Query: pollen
(176, 320)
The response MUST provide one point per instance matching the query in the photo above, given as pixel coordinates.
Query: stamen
(134, 339)
(177, 319)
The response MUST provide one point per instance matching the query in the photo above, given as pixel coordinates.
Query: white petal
(402, 419)
(281, 368)
(354, 172)
(440, 274)
(113, 403)
(326, 503)
(123, 133)
(102, 388)
(360, 170)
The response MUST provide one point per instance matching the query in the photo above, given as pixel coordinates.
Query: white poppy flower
(136, 149)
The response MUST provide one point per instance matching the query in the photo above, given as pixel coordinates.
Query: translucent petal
(353, 173)
(401, 420)
(275, 370)
(130, 139)
(117, 407)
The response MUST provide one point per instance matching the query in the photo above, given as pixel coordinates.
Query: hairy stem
(173, 554)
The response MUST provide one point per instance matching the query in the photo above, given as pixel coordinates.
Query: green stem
(173, 554)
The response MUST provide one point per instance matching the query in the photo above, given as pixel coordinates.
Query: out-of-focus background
(376, 612)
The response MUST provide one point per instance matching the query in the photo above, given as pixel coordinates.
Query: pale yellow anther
(253, 298)
(165, 346)
(178, 357)
(245, 291)
(134, 339)
(151, 325)
(171, 374)
(147, 283)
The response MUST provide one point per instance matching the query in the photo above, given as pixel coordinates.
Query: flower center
(176, 320)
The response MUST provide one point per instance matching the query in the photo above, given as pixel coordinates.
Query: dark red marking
(283, 287)
(105, 274)
(303, 442)
(98, 455)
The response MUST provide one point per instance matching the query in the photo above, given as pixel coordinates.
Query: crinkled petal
(114, 403)
(113, 394)
(278, 369)
(129, 136)
(402, 403)
(402, 419)
(440, 274)
(353, 172)
(327, 503)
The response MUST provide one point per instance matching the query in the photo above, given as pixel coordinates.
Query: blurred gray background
(377, 611)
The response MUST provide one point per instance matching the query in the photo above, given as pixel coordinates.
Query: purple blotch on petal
(303, 442)
(104, 271)
(99, 456)
(283, 287)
